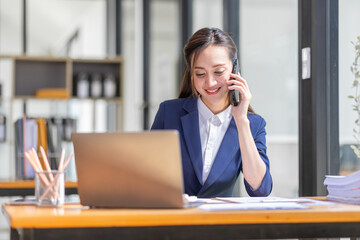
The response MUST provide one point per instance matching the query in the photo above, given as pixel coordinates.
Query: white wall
(5, 108)
(164, 58)
(269, 45)
(268, 56)
(207, 13)
(132, 52)
(48, 31)
(10, 27)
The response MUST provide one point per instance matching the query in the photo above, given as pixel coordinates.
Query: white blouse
(212, 130)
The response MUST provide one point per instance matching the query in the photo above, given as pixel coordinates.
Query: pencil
(47, 165)
(67, 161)
(36, 159)
(61, 162)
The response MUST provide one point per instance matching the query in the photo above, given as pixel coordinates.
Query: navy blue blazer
(182, 115)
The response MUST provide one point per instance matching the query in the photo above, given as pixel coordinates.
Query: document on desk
(302, 201)
(260, 203)
(251, 206)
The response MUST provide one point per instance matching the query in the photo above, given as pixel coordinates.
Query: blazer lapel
(190, 124)
(229, 146)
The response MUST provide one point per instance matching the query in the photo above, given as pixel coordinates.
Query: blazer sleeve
(259, 135)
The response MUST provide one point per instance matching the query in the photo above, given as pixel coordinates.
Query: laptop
(129, 170)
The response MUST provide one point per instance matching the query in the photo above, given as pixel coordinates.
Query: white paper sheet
(251, 206)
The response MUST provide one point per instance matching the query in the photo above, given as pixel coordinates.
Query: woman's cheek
(223, 79)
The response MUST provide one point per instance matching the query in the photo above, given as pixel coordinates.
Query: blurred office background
(268, 60)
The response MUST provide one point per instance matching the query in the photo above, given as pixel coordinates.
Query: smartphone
(235, 97)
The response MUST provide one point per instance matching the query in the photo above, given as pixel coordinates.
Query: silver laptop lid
(129, 170)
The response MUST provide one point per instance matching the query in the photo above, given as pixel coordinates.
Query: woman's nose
(211, 81)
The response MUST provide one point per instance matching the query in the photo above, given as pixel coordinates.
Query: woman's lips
(212, 91)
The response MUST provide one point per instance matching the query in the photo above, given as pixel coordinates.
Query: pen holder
(50, 188)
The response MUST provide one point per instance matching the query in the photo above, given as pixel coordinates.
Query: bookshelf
(31, 74)
(54, 80)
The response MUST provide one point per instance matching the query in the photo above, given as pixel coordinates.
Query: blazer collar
(228, 148)
(190, 104)
(190, 124)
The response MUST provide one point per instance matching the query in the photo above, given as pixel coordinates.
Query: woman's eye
(219, 72)
(200, 74)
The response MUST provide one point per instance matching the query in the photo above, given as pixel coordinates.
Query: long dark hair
(197, 42)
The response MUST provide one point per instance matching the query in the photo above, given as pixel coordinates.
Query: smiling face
(211, 69)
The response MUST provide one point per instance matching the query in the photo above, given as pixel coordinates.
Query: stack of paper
(344, 188)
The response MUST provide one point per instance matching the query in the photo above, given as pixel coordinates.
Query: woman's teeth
(212, 91)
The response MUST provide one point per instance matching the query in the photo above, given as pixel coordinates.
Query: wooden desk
(26, 188)
(74, 220)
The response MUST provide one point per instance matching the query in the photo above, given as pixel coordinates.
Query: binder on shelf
(54, 128)
(48, 133)
(112, 113)
(2, 128)
(42, 138)
(68, 127)
(26, 133)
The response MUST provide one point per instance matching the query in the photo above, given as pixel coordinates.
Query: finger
(245, 94)
(244, 81)
(235, 77)
(241, 84)
(234, 84)
(241, 79)
(242, 91)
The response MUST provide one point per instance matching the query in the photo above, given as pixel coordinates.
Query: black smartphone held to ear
(235, 93)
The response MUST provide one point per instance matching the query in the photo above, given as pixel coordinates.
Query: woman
(218, 140)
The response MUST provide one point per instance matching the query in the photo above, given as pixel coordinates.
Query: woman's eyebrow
(219, 65)
(216, 65)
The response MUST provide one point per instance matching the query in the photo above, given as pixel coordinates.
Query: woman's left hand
(240, 84)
